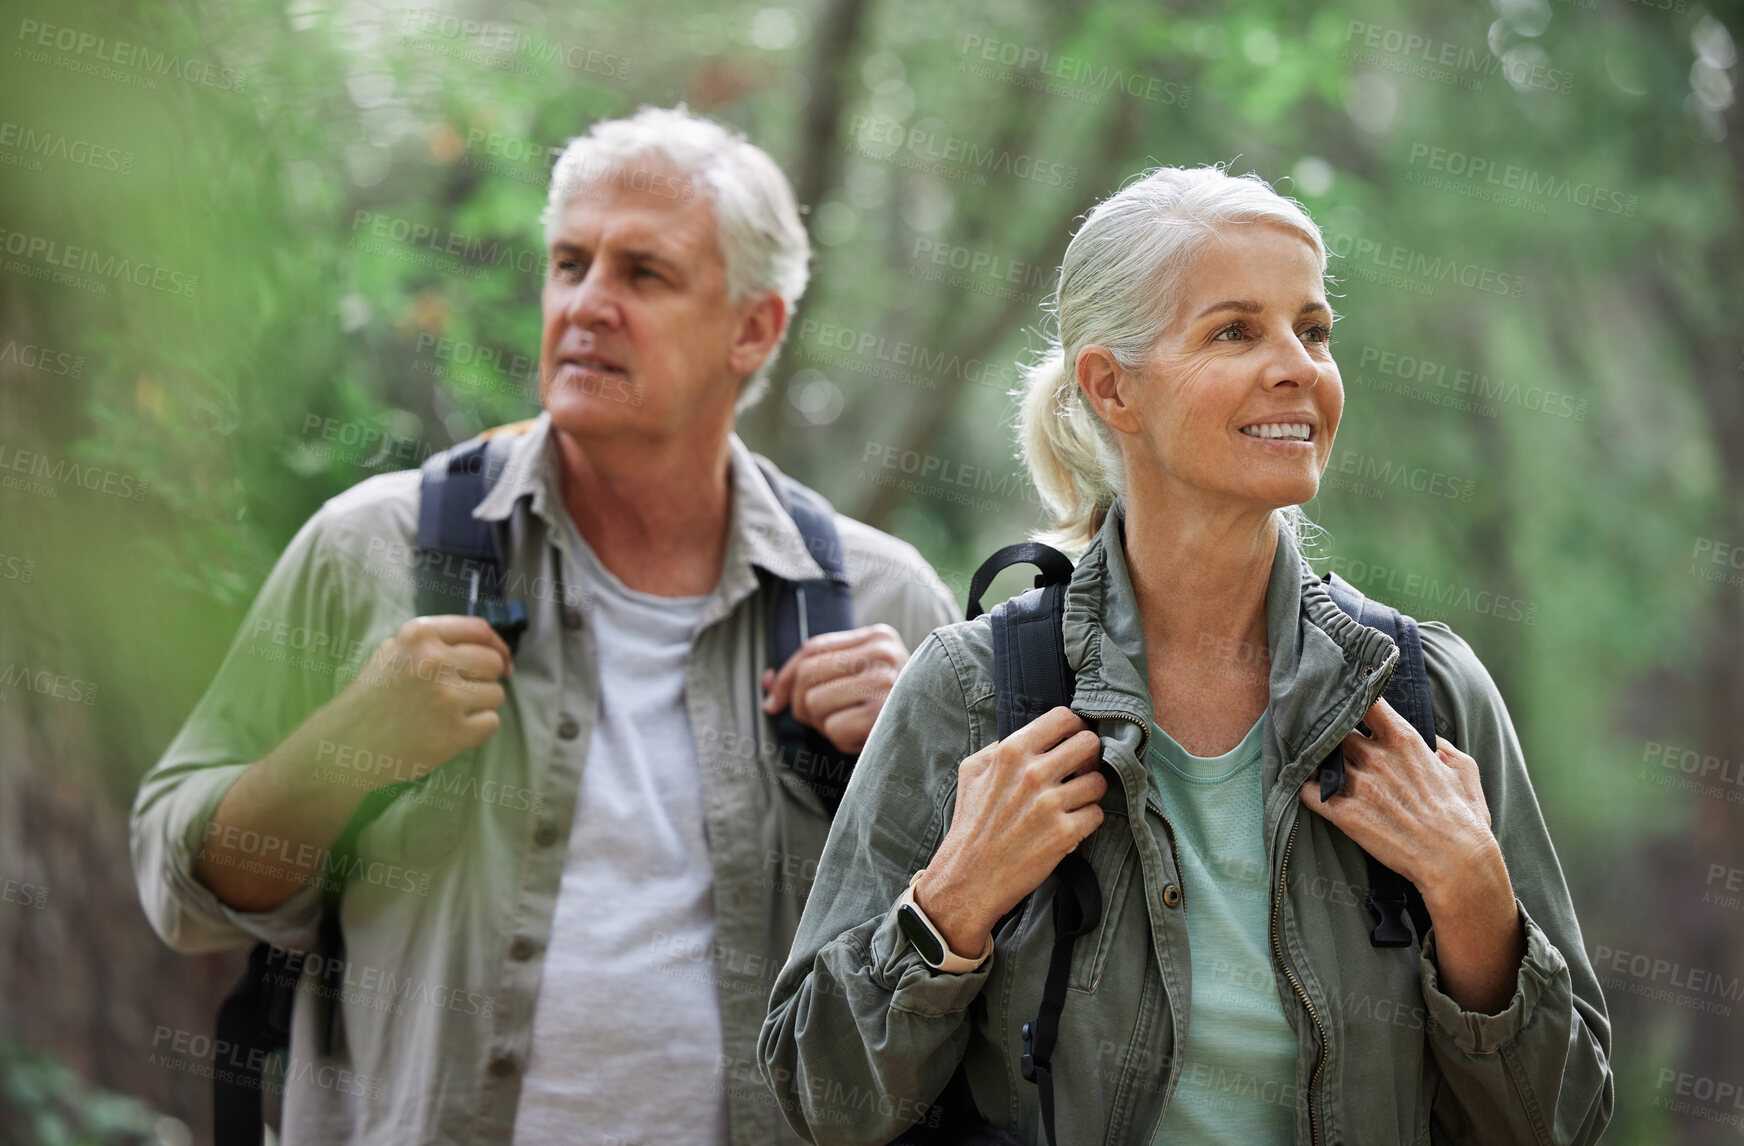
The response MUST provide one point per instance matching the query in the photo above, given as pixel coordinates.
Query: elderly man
(534, 887)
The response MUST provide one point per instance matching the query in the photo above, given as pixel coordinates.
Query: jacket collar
(1320, 656)
(760, 535)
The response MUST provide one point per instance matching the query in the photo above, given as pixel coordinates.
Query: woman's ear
(1107, 388)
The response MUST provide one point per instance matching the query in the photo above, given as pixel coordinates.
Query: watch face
(920, 935)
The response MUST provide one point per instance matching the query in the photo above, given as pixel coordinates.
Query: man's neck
(655, 513)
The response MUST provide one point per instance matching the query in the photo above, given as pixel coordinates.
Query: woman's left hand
(1424, 815)
(1421, 813)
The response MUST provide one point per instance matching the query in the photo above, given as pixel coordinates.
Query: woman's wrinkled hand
(1023, 804)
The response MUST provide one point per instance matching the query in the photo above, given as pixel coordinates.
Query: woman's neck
(1196, 576)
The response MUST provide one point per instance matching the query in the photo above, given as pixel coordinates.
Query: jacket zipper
(1278, 951)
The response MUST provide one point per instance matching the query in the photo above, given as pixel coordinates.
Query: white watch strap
(952, 962)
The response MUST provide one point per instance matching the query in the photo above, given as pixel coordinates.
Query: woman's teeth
(1297, 431)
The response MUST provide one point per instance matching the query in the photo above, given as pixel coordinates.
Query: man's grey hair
(762, 240)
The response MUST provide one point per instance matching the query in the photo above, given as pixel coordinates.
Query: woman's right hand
(1023, 804)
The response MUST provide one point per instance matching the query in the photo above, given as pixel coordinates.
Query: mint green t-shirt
(1238, 1068)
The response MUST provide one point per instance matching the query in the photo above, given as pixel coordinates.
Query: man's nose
(592, 301)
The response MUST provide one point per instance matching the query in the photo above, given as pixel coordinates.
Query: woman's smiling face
(1239, 398)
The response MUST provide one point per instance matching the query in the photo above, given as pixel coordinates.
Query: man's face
(639, 337)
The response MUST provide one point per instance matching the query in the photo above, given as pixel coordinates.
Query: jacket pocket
(1113, 858)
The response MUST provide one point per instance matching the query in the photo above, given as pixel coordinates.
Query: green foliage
(314, 322)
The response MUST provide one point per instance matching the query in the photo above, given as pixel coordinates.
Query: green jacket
(861, 1035)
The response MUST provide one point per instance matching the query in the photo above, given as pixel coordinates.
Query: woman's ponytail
(1065, 447)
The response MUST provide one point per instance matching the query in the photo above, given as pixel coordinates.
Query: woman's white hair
(1120, 285)
(763, 242)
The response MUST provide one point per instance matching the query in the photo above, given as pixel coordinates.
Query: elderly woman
(1230, 993)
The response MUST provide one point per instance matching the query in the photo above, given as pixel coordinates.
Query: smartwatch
(927, 940)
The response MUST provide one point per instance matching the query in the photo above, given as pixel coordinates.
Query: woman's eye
(1236, 329)
(1317, 333)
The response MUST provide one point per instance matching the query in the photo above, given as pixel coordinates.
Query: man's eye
(568, 268)
(644, 273)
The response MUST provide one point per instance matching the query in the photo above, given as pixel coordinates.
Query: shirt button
(502, 1064)
(568, 730)
(1171, 896)
(521, 949)
(545, 835)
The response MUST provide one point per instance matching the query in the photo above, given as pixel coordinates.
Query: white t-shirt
(626, 1024)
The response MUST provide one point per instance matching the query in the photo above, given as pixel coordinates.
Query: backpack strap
(1077, 911)
(1031, 676)
(798, 611)
(460, 570)
(254, 1022)
(1056, 568)
(460, 563)
(1390, 894)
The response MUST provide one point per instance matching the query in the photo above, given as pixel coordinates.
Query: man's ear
(1106, 387)
(761, 321)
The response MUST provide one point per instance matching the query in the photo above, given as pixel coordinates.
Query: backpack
(461, 570)
(1031, 676)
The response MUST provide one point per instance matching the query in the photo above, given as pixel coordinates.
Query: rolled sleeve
(188, 916)
(1539, 1071)
(914, 987)
(306, 631)
(1543, 972)
(861, 1035)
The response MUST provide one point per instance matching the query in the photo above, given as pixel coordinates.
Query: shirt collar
(760, 534)
(1318, 653)
(531, 471)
